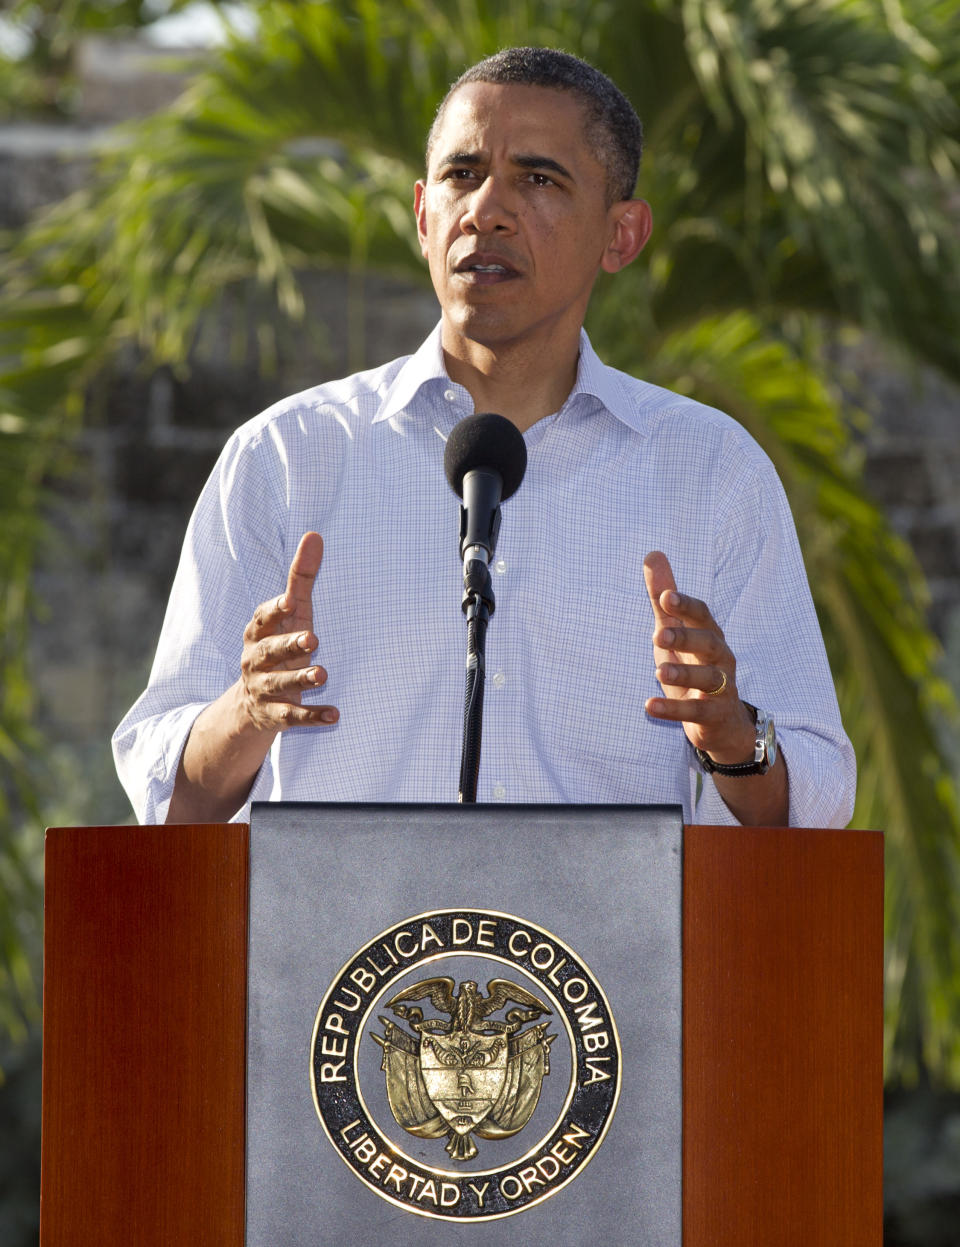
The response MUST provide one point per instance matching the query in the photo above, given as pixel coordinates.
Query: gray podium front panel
(577, 909)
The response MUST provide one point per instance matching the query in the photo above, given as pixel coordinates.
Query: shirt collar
(419, 370)
(612, 389)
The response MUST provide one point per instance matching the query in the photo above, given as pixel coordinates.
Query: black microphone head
(485, 441)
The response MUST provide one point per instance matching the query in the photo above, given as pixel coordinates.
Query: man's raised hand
(698, 675)
(696, 670)
(278, 644)
(231, 737)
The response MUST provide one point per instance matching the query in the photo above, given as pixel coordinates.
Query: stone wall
(913, 470)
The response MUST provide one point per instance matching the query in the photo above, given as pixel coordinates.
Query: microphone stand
(478, 605)
(484, 462)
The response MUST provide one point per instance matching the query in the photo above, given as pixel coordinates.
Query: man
(528, 195)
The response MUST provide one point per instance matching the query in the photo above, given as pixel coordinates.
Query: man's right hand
(231, 737)
(278, 642)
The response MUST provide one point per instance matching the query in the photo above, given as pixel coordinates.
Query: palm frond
(847, 129)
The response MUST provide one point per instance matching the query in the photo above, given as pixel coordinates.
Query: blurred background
(206, 206)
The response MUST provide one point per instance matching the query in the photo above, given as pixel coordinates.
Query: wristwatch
(764, 750)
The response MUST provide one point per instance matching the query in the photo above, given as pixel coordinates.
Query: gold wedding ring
(715, 692)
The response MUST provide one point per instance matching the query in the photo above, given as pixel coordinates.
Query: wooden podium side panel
(143, 1042)
(783, 1065)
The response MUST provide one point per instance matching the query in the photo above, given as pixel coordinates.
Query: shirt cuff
(822, 779)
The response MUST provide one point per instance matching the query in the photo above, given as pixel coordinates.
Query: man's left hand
(696, 669)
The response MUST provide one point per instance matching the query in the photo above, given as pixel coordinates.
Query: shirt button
(450, 395)
(499, 792)
(500, 566)
(499, 679)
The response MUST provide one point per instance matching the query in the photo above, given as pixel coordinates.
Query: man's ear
(632, 222)
(420, 212)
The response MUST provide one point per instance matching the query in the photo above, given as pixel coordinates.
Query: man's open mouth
(482, 268)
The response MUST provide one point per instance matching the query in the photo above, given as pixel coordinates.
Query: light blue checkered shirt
(623, 468)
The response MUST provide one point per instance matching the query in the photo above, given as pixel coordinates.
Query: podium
(145, 1017)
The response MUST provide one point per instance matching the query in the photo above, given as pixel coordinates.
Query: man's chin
(484, 325)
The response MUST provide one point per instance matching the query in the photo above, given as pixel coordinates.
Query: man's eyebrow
(543, 162)
(531, 161)
(461, 158)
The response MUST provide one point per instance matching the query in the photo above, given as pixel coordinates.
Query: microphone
(485, 459)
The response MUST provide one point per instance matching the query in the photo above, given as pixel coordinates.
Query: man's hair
(611, 124)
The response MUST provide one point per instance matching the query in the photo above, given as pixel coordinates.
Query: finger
(707, 679)
(658, 576)
(267, 652)
(690, 611)
(681, 709)
(275, 614)
(284, 714)
(268, 619)
(722, 726)
(705, 643)
(303, 572)
(286, 685)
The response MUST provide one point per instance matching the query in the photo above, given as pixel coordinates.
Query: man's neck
(511, 382)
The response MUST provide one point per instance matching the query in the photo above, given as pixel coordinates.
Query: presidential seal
(470, 1102)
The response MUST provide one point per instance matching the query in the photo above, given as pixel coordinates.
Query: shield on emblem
(464, 1074)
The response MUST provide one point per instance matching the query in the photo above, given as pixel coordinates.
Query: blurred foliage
(20, 1142)
(41, 79)
(802, 163)
(26, 455)
(921, 1167)
(38, 417)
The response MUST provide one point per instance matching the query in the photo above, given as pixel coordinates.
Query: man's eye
(541, 179)
(459, 175)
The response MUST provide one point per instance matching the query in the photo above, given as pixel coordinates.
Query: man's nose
(489, 209)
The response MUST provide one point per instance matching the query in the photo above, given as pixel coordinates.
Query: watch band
(764, 753)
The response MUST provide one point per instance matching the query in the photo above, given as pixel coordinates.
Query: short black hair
(612, 125)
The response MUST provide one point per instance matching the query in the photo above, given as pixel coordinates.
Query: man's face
(513, 218)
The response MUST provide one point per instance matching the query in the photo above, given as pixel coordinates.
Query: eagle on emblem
(469, 1073)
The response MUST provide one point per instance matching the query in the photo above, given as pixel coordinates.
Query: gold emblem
(530, 1066)
(472, 1074)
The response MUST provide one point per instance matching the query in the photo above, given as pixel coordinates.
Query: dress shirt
(623, 468)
